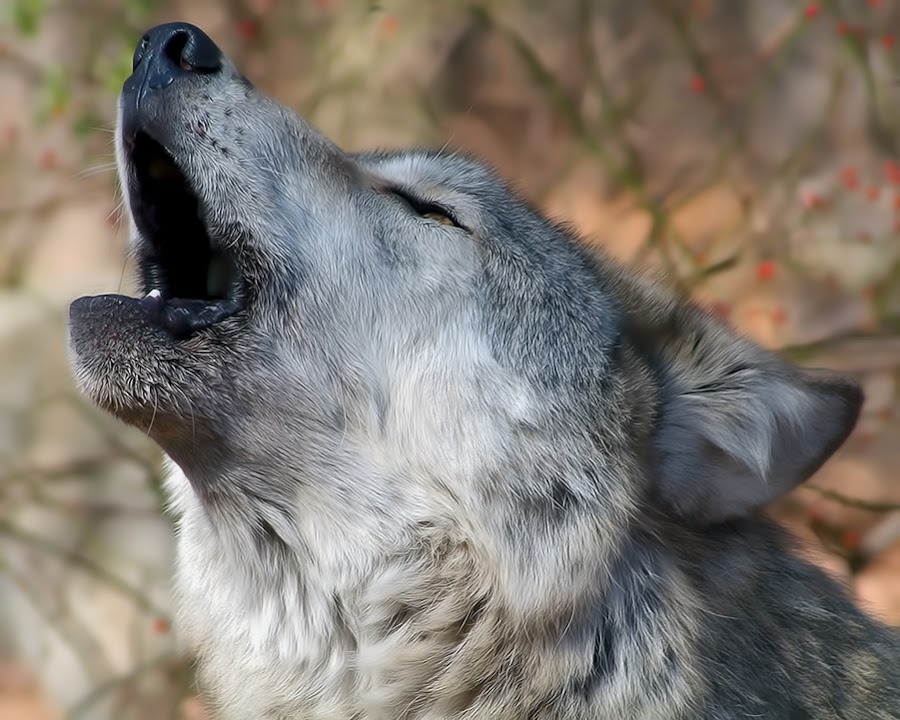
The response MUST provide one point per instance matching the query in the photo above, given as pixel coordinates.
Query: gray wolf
(434, 458)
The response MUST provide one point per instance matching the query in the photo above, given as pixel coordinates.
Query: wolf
(432, 457)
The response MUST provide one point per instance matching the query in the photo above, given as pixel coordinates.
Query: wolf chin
(434, 458)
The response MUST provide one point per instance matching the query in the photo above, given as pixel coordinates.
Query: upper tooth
(154, 293)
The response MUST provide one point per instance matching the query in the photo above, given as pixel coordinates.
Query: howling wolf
(434, 458)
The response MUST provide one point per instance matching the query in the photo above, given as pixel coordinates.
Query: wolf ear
(738, 426)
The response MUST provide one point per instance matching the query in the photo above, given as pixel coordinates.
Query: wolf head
(400, 332)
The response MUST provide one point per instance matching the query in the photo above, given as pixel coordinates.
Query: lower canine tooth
(152, 303)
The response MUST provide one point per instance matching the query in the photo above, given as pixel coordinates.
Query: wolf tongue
(183, 317)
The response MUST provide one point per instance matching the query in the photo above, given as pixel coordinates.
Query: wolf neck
(361, 597)
(352, 516)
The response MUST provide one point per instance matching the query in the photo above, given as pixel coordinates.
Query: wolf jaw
(190, 275)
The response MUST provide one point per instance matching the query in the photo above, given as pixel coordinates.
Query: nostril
(190, 49)
(172, 51)
(175, 49)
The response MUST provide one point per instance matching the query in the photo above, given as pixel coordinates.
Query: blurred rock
(878, 585)
(856, 478)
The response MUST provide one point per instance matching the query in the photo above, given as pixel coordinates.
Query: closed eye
(428, 210)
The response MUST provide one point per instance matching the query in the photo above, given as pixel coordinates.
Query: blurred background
(747, 149)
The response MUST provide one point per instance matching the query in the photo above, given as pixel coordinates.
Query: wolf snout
(179, 48)
(167, 54)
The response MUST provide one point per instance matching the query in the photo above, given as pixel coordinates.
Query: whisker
(155, 409)
(122, 276)
(117, 212)
(96, 170)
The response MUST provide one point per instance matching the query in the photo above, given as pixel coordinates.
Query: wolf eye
(438, 215)
(428, 210)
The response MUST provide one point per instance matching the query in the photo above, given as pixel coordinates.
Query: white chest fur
(268, 633)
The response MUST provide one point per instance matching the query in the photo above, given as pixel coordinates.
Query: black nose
(174, 50)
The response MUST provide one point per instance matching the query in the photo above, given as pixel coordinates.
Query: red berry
(850, 539)
(390, 25)
(814, 201)
(10, 133)
(49, 159)
(892, 171)
(766, 270)
(850, 178)
(248, 29)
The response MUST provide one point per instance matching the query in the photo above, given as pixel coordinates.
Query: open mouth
(190, 277)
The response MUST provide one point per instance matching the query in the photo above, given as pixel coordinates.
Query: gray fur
(469, 472)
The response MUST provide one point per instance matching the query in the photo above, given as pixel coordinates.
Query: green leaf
(56, 94)
(137, 11)
(116, 70)
(86, 123)
(26, 15)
